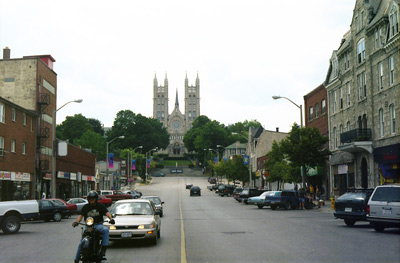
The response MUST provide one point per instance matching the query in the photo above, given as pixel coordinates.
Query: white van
(383, 208)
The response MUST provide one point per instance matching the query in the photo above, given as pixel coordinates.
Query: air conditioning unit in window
(1, 151)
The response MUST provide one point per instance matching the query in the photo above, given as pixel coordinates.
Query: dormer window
(394, 22)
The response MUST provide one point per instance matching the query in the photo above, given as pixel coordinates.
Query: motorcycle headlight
(89, 221)
(112, 227)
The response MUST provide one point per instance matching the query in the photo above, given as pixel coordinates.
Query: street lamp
(131, 153)
(155, 149)
(301, 126)
(108, 161)
(300, 107)
(53, 149)
(250, 182)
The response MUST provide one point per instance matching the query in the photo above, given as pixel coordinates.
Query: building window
(392, 119)
(14, 115)
(361, 51)
(376, 39)
(340, 130)
(13, 146)
(311, 113)
(334, 102)
(341, 99)
(348, 126)
(2, 113)
(394, 22)
(335, 142)
(380, 76)
(316, 110)
(348, 93)
(24, 119)
(1, 145)
(381, 122)
(362, 86)
(23, 148)
(391, 70)
(323, 107)
(346, 60)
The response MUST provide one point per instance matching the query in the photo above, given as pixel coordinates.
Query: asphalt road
(216, 229)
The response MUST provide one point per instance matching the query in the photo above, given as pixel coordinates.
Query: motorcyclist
(96, 211)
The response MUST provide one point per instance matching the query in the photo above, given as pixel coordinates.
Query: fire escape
(43, 132)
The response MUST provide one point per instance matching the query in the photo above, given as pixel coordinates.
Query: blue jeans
(104, 232)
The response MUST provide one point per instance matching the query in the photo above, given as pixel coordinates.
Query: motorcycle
(91, 243)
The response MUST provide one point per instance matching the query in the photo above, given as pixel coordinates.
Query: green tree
(94, 141)
(73, 128)
(277, 166)
(305, 147)
(96, 126)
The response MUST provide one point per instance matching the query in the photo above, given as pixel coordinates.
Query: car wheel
(159, 233)
(154, 240)
(350, 222)
(57, 217)
(11, 225)
(260, 206)
(273, 207)
(162, 214)
(379, 228)
(288, 206)
(245, 202)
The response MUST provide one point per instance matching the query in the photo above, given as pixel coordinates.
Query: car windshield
(124, 209)
(351, 196)
(387, 194)
(155, 200)
(58, 202)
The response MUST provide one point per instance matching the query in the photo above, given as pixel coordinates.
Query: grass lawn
(173, 162)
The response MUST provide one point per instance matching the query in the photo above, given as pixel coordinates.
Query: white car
(135, 219)
(79, 202)
(383, 208)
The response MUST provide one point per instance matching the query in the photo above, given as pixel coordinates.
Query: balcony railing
(357, 135)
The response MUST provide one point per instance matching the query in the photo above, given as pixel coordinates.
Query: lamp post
(250, 179)
(155, 149)
(108, 161)
(131, 153)
(301, 126)
(53, 150)
(217, 156)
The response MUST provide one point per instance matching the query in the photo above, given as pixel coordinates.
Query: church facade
(177, 123)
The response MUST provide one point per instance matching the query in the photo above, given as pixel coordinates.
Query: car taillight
(367, 209)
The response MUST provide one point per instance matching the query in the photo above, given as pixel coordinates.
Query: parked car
(157, 203)
(352, 206)
(289, 199)
(13, 212)
(383, 208)
(72, 208)
(104, 200)
(269, 197)
(159, 174)
(135, 219)
(256, 200)
(188, 185)
(50, 210)
(195, 190)
(225, 189)
(79, 202)
(236, 193)
(212, 180)
(135, 194)
(249, 192)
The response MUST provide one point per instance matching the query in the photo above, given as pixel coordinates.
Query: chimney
(6, 53)
(277, 129)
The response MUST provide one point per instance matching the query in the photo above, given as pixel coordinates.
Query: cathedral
(177, 124)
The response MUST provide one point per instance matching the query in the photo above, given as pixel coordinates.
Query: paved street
(216, 229)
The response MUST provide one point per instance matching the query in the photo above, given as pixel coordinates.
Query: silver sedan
(135, 219)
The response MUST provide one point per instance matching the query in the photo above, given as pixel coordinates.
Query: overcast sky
(107, 52)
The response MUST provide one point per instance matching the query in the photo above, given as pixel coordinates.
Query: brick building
(316, 115)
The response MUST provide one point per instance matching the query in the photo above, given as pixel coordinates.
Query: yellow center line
(183, 244)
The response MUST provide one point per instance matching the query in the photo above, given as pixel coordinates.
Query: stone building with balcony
(363, 98)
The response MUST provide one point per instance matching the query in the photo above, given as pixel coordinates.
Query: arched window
(361, 51)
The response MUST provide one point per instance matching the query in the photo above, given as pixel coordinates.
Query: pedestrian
(301, 198)
(312, 192)
(317, 196)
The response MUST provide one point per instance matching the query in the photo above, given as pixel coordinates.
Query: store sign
(25, 177)
(73, 176)
(63, 175)
(47, 176)
(5, 175)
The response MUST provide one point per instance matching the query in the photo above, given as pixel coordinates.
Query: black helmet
(93, 194)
